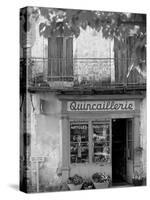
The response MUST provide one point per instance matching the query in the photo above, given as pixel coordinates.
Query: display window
(101, 142)
(89, 139)
(79, 142)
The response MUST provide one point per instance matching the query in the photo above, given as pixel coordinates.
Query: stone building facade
(48, 122)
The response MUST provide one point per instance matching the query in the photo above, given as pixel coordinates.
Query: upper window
(130, 61)
(60, 58)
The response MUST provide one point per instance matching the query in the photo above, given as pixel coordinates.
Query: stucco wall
(87, 170)
(96, 52)
(89, 44)
(143, 131)
(45, 139)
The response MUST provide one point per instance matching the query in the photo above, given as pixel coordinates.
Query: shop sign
(100, 105)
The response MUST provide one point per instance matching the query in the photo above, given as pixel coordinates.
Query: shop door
(119, 151)
(130, 141)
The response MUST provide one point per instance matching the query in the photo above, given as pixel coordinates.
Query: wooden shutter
(135, 57)
(131, 58)
(59, 41)
(52, 58)
(120, 62)
(125, 56)
(69, 58)
(60, 58)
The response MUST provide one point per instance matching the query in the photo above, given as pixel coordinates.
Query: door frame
(125, 143)
(129, 162)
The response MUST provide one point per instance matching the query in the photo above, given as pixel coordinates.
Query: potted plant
(87, 184)
(75, 182)
(101, 180)
(138, 179)
(139, 149)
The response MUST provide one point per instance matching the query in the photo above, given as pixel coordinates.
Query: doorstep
(122, 184)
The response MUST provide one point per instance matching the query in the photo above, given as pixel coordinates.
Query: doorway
(119, 167)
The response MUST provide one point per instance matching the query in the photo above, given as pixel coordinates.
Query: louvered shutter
(120, 62)
(52, 58)
(69, 58)
(59, 41)
(60, 59)
(135, 57)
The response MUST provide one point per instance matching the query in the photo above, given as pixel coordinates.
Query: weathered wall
(96, 52)
(143, 131)
(45, 139)
(85, 170)
(39, 49)
(91, 44)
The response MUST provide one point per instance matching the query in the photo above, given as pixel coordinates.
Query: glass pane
(101, 142)
(100, 132)
(79, 132)
(101, 152)
(79, 152)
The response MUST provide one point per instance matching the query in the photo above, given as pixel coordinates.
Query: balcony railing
(79, 72)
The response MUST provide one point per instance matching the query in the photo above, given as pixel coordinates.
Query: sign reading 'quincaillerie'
(101, 106)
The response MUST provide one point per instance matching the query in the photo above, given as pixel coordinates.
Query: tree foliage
(69, 22)
(112, 24)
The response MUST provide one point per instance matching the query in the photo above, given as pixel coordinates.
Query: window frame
(130, 140)
(108, 141)
(78, 122)
(90, 142)
(59, 67)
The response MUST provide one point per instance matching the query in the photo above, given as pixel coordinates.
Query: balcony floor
(86, 90)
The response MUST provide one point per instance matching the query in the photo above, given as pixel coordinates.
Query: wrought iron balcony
(59, 73)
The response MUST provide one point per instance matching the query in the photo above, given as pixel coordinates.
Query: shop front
(99, 135)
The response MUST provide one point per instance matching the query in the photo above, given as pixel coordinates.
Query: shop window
(93, 136)
(101, 142)
(79, 143)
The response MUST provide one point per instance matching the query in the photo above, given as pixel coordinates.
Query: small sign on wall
(100, 106)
